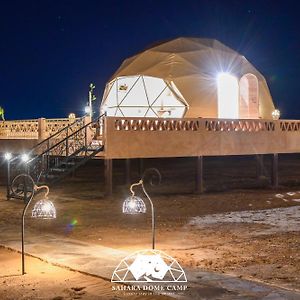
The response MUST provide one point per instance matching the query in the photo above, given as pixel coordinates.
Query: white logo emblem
(148, 266)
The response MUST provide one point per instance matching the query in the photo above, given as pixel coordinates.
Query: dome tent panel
(193, 65)
(144, 96)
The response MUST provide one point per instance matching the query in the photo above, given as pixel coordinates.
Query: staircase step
(68, 163)
(60, 170)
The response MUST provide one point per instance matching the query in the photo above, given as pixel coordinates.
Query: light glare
(87, 109)
(8, 156)
(276, 114)
(228, 96)
(25, 157)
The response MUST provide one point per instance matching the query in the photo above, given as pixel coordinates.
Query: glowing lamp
(87, 109)
(8, 156)
(276, 114)
(25, 157)
(134, 205)
(72, 116)
(44, 209)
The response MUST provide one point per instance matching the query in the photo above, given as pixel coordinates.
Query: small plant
(2, 113)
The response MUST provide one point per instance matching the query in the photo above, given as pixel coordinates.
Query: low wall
(141, 137)
(33, 129)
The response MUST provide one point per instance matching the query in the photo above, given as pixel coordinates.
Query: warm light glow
(44, 209)
(143, 96)
(276, 114)
(72, 116)
(87, 109)
(25, 157)
(134, 205)
(8, 156)
(228, 96)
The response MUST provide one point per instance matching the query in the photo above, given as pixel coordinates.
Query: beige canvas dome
(188, 77)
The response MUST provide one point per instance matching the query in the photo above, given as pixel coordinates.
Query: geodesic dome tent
(188, 77)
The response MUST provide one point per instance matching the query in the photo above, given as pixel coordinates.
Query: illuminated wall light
(72, 116)
(276, 114)
(228, 96)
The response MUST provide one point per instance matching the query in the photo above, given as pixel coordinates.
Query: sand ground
(245, 249)
(46, 281)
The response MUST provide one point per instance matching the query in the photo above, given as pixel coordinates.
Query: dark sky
(51, 50)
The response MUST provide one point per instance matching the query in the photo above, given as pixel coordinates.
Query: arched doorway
(228, 96)
(249, 102)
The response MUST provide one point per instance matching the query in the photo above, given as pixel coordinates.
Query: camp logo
(148, 266)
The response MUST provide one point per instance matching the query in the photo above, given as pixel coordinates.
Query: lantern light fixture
(135, 205)
(43, 209)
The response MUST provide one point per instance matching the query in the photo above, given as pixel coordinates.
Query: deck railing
(43, 128)
(134, 124)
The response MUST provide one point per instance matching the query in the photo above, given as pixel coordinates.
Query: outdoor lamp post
(8, 157)
(43, 209)
(135, 205)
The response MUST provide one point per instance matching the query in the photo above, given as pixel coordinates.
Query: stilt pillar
(141, 167)
(108, 176)
(127, 171)
(260, 165)
(274, 171)
(199, 189)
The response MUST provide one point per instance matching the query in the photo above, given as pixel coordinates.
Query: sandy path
(45, 281)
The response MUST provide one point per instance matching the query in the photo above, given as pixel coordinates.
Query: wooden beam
(199, 189)
(108, 165)
(274, 171)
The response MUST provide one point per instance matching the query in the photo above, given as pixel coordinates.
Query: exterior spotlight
(135, 205)
(25, 157)
(276, 114)
(43, 209)
(8, 156)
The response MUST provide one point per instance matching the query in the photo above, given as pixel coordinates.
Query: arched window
(249, 103)
(228, 96)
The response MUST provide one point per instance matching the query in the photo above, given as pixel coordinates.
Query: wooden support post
(260, 165)
(274, 172)
(108, 165)
(127, 170)
(141, 167)
(199, 175)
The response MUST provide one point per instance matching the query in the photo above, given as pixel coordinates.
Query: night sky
(51, 50)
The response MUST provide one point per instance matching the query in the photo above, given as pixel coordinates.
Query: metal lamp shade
(134, 205)
(44, 209)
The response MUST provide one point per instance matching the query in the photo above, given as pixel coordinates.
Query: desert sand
(252, 244)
